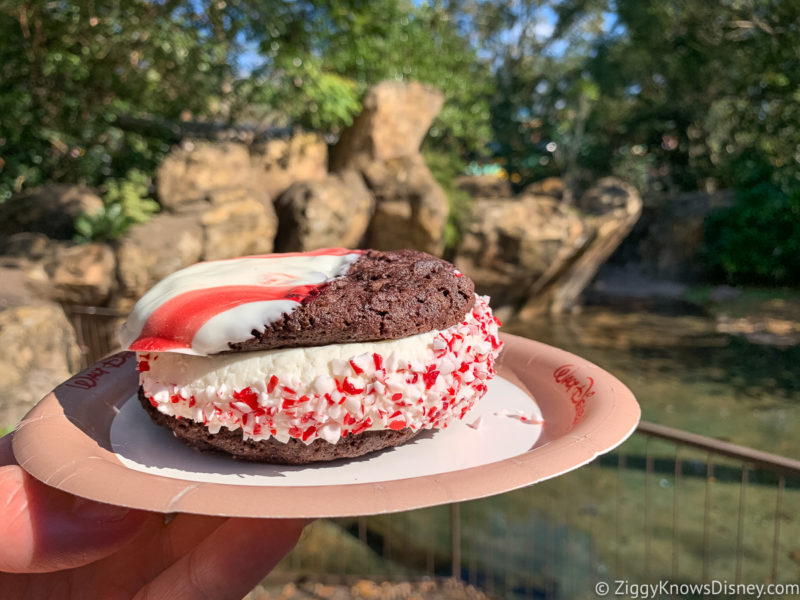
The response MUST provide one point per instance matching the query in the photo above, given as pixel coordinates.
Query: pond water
(687, 375)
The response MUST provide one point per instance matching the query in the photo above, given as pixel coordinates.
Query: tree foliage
(323, 57)
(93, 88)
(758, 239)
(125, 203)
(69, 70)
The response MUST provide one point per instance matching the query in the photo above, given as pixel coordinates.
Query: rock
(484, 186)
(38, 351)
(197, 170)
(549, 186)
(333, 212)
(538, 254)
(18, 284)
(62, 271)
(82, 274)
(222, 196)
(607, 195)
(49, 209)
(395, 118)
(514, 247)
(383, 145)
(30, 246)
(609, 209)
(24, 260)
(246, 226)
(411, 207)
(282, 162)
(150, 251)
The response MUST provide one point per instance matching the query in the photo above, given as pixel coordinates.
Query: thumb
(44, 529)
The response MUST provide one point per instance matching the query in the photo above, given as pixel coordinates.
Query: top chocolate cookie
(382, 296)
(327, 296)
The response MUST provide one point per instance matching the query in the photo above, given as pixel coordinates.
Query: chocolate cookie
(383, 296)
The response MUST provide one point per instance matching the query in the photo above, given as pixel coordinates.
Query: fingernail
(98, 511)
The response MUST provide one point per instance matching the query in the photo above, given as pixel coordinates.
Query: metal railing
(668, 505)
(95, 331)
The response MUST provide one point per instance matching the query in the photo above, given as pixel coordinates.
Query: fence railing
(95, 331)
(667, 506)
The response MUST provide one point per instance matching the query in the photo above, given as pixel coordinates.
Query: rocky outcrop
(609, 210)
(220, 195)
(410, 206)
(203, 172)
(511, 247)
(537, 254)
(38, 351)
(60, 271)
(246, 226)
(282, 162)
(81, 274)
(49, 209)
(224, 192)
(217, 173)
(151, 251)
(332, 212)
(394, 120)
(383, 145)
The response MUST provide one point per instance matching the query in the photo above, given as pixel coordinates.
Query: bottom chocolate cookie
(293, 452)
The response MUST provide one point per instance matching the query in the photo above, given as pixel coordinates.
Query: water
(687, 375)
(600, 523)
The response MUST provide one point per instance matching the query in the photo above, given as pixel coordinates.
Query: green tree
(94, 88)
(699, 84)
(125, 203)
(322, 56)
(74, 72)
(543, 99)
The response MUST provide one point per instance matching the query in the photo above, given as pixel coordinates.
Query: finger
(184, 534)
(44, 529)
(157, 546)
(160, 544)
(229, 562)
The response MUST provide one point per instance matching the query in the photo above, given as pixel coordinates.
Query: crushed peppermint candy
(366, 392)
(476, 423)
(521, 416)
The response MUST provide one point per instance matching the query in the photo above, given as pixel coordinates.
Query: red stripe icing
(174, 324)
(176, 319)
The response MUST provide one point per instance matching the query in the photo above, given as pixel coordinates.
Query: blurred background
(621, 176)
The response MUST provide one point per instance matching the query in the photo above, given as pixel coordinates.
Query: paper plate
(547, 413)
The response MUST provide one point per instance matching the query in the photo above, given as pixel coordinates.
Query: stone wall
(38, 349)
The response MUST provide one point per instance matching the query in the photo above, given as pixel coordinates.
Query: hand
(54, 545)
